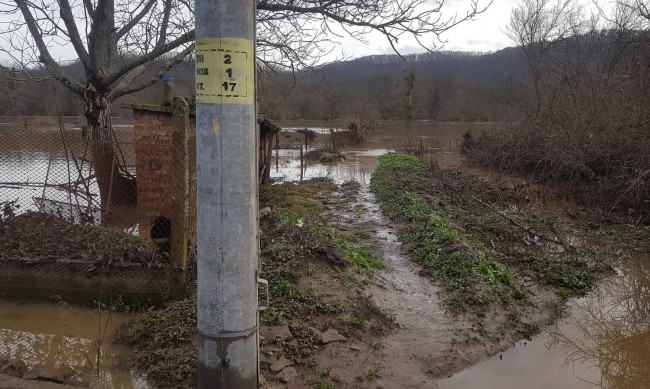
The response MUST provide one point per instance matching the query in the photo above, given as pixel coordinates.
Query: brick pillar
(180, 182)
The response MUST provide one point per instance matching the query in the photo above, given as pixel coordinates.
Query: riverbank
(504, 267)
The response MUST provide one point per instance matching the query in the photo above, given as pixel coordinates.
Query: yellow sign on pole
(225, 71)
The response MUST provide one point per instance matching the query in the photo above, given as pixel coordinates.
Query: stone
(287, 374)
(331, 336)
(271, 350)
(277, 332)
(262, 381)
(317, 333)
(355, 347)
(41, 374)
(64, 371)
(264, 212)
(15, 368)
(267, 359)
(280, 364)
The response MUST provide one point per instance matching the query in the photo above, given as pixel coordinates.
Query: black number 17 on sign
(229, 86)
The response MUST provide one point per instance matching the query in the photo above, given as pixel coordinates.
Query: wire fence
(82, 222)
(71, 223)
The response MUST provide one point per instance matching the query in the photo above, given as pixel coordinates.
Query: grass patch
(358, 320)
(373, 373)
(301, 200)
(163, 347)
(467, 270)
(363, 258)
(290, 304)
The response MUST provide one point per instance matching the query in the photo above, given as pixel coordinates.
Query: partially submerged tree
(119, 41)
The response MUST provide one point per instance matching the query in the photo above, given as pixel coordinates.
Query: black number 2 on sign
(225, 71)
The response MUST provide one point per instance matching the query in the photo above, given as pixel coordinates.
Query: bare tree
(119, 41)
(537, 27)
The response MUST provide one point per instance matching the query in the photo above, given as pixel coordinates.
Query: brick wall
(153, 158)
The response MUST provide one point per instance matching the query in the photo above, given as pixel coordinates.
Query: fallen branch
(528, 230)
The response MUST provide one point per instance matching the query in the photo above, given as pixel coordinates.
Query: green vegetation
(465, 268)
(324, 380)
(163, 345)
(373, 373)
(363, 258)
(297, 244)
(472, 251)
(358, 320)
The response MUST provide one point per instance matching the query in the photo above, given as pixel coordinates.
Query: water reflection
(358, 165)
(612, 330)
(48, 336)
(603, 342)
(43, 168)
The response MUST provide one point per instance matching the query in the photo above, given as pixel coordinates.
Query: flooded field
(48, 336)
(361, 161)
(46, 167)
(603, 340)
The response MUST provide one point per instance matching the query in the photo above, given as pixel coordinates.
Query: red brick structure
(154, 156)
(165, 158)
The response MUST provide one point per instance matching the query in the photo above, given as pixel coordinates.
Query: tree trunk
(115, 188)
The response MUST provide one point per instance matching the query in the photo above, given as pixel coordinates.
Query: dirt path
(420, 347)
(412, 300)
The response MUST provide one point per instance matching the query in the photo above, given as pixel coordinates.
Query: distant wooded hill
(445, 85)
(442, 85)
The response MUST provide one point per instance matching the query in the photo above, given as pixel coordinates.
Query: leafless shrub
(362, 119)
(587, 127)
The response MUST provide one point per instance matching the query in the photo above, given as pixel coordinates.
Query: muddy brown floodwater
(46, 336)
(411, 300)
(603, 340)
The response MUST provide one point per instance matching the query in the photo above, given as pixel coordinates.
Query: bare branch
(73, 33)
(150, 56)
(136, 19)
(45, 56)
(128, 87)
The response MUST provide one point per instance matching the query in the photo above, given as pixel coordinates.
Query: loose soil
(35, 237)
(317, 271)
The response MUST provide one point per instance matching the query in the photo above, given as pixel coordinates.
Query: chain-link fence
(89, 218)
(100, 218)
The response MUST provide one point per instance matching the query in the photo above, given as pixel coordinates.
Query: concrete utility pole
(227, 209)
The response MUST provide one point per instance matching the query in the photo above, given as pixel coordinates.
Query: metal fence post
(227, 203)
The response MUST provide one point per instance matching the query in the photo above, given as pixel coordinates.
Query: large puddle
(48, 336)
(360, 162)
(604, 341)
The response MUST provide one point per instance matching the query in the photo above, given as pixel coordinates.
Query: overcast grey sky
(485, 33)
